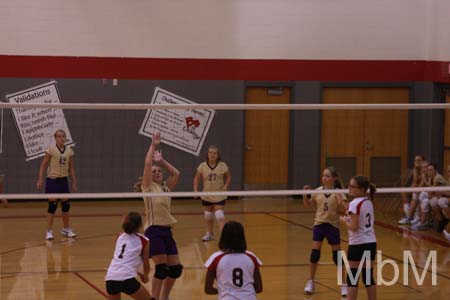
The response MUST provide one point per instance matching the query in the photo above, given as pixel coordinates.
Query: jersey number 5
(238, 278)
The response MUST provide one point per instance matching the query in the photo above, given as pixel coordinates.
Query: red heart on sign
(190, 121)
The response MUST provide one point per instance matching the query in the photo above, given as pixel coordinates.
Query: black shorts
(356, 252)
(128, 286)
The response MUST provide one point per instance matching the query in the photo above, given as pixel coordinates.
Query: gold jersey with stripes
(58, 166)
(213, 179)
(326, 208)
(157, 209)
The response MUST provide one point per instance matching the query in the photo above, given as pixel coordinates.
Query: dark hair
(132, 222)
(337, 183)
(364, 183)
(420, 155)
(218, 152)
(232, 239)
(434, 166)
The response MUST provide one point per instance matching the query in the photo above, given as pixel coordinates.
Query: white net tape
(260, 193)
(136, 106)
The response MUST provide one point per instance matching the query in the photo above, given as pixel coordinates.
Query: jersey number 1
(123, 250)
(238, 277)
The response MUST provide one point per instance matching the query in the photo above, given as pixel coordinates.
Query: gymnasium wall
(110, 152)
(234, 40)
(235, 29)
(207, 51)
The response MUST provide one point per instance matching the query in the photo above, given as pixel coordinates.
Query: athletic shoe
(415, 221)
(208, 237)
(309, 288)
(419, 226)
(344, 290)
(49, 235)
(404, 221)
(446, 234)
(68, 233)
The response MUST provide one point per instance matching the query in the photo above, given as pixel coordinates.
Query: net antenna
(1, 132)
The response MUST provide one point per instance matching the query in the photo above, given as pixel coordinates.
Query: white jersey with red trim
(127, 257)
(363, 208)
(234, 274)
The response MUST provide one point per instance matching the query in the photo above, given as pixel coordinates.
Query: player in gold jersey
(163, 248)
(215, 176)
(58, 162)
(326, 223)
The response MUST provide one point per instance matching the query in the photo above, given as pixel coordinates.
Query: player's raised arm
(148, 163)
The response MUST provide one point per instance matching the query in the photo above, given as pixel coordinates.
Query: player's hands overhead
(156, 139)
(157, 156)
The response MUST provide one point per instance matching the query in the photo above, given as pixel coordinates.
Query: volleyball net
(271, 149)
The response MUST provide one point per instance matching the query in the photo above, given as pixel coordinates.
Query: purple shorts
(328, 231)
(207, 203)
(57, 185)
(161, 240)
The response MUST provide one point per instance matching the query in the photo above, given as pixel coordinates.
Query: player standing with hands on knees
(59, 164)
(163, 249)
(216, 177)
(130, 253)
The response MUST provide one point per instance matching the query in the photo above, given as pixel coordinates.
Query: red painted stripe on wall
(222, 69)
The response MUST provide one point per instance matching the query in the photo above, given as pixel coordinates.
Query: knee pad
(406, 208)
(52, 206)
(367, 277)
(219, 215)
(175, 271)
(335, 257)
(208, 215)
(161, 271)
(351, 283)
(315, 256)
(415, 196)
(443, 202)
(65, 206)
(434, 202)
(425, 205)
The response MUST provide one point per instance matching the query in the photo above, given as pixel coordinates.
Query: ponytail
(364, 183)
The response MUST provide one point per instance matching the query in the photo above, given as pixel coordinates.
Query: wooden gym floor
(278, 230)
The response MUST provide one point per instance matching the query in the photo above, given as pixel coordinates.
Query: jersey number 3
(368, 224)
(238, 277)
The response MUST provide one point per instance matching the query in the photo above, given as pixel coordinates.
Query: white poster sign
(36, 126)
(184, 129)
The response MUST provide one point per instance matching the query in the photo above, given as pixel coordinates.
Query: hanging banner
(36, 126)
(184, 129)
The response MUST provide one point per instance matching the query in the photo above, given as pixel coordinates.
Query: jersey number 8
(238, 278)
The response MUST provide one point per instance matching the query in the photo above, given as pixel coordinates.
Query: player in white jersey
(361, 235)
(235, 269)
(130, 253)
(326, 223)
(215, 176)
(58, 162)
